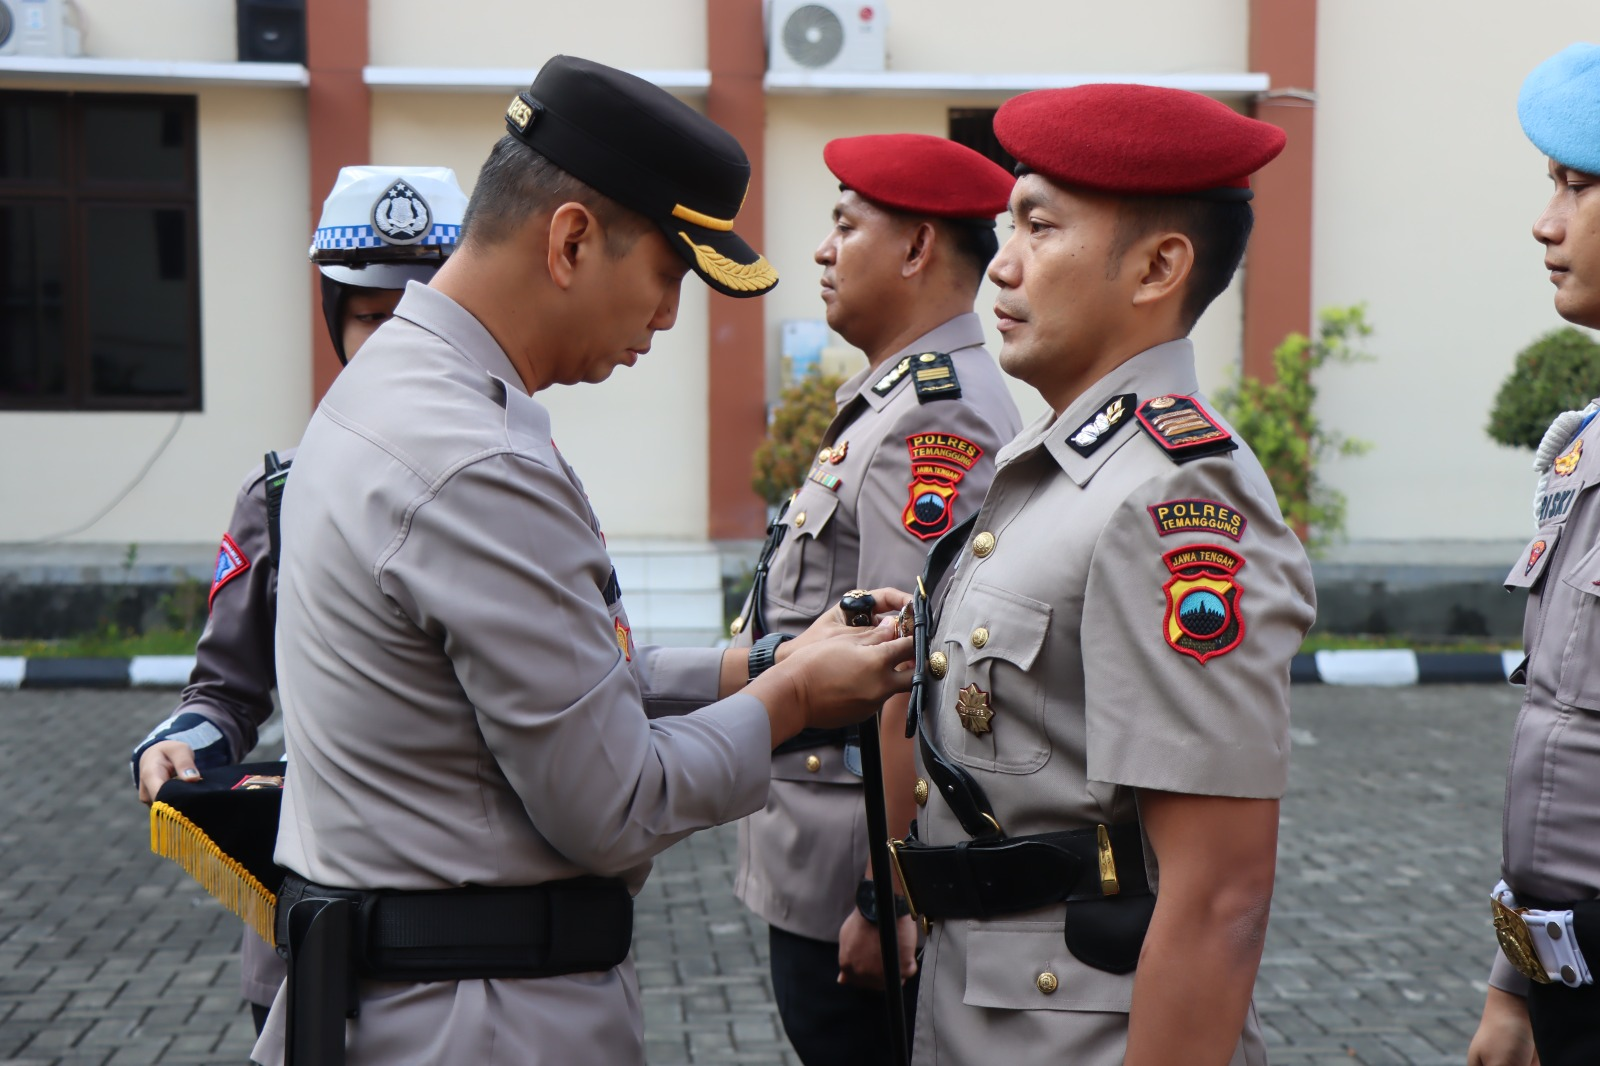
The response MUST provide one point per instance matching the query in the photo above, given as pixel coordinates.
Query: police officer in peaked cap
(484, 761)
(909, 453)
(381, 227)
(1103, 688)
(1543, 1003)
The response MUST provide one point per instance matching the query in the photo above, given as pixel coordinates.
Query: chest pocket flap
(810, 513)
(1000, 636)
(1013, 626)
(1529, 567)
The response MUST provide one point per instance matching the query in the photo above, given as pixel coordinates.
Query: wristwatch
(867, 902)
(764, 652)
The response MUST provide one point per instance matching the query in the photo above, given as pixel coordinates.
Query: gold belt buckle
(1517, 943)
(911, 905)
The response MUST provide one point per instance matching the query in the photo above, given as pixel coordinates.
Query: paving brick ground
(1376, 953)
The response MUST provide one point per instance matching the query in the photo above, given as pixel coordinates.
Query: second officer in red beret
(1108, 670)
(909, 453)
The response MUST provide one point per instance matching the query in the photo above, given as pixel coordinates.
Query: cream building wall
(255, 373)
(195, 30)
(1078, 36)
(631, 34)
(1425, 195)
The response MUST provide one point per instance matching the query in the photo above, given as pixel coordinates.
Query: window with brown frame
(974, 127)
(99, 253)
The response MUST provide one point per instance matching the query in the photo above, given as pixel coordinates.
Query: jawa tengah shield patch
(1203, 619)
(938, 463)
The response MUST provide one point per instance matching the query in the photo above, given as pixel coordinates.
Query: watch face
(867, 901)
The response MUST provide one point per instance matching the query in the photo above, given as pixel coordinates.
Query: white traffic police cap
(384, 226)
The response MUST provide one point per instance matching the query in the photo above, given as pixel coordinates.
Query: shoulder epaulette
(934, 374)
(1184, 429)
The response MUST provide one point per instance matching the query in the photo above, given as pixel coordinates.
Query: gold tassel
(172, 836)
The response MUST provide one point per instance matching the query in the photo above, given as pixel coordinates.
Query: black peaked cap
(649, 151)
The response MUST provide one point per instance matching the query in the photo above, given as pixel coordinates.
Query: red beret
(1137, 140)
(920, 174)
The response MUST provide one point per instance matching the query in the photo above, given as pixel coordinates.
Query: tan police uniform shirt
(233, 677)
(461, 705)
(1062, 621)
(1551, 833)
(854, 524)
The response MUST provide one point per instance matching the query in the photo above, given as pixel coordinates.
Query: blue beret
(1560, 107)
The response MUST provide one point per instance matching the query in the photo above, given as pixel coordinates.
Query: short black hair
(516, 183)
(1218, 229)
(973, 242)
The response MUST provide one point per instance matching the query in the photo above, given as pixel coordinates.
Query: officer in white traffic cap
(381, 227)
(1543, 1001)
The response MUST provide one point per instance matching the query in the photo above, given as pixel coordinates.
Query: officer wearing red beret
(909, 453)
(1103, 686)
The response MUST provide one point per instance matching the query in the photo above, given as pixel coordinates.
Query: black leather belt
(332, 936)
(990, 878)
(807, 739)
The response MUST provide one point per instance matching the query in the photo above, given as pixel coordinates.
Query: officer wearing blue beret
(1543, 1004)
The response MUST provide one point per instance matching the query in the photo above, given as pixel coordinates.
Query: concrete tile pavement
(1376, 955)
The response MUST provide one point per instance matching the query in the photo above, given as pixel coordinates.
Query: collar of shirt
(962, 331)
(432, 310)
(1166, 368)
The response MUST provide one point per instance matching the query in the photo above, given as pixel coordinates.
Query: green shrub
(1278, 419)
(804, 412)
(1558, 372)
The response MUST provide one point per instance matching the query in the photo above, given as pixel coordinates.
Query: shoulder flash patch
(934, 374)
(1112, 416)
(231, 562)
(1184, 429)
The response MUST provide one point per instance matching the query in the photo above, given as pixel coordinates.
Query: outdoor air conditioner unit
(39, 28)
(826, 35)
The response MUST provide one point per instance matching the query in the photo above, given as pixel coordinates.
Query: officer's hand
(162, 762)
(861, 957)
(886, 602)
(1504, 1037)
(836, 681)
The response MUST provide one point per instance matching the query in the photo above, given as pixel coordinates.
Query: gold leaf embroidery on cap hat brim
(740, 277)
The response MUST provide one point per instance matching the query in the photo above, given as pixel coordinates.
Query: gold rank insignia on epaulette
(1183, 428)
(934, 374)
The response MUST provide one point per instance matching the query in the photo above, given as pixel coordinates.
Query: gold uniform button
(735, 627)
(938, 665)
(980, 637)
(920, 791)
(799, 520)
(813, 764)
(983, 544)
(1047, 983)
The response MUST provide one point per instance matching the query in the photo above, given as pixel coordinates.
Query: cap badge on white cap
(401, 215)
